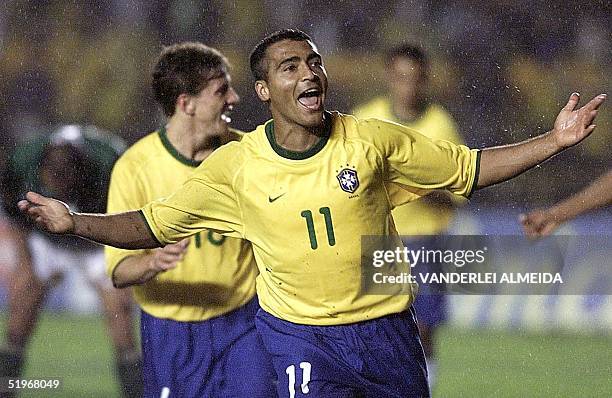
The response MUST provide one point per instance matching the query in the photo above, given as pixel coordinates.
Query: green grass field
(480, 363)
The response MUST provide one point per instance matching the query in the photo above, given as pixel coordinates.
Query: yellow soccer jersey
(419, 217)
(217, 274)
(305, 212)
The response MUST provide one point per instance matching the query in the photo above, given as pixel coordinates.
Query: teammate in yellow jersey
(407, 103)
(303, 189)
(201, 290)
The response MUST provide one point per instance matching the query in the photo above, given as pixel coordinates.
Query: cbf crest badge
(348, 180)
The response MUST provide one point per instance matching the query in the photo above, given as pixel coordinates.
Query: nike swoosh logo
(271, 199)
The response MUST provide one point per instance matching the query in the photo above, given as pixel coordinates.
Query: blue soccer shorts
(220, 357)
(380, 358)
(430, 303)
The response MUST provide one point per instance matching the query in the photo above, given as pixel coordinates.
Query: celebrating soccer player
(201, 290)
(303, 188)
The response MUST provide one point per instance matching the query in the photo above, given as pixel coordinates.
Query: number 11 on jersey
(329, 226)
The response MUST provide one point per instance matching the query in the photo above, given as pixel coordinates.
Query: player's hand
(168, 257)
(573, 125)
(539, 223)
(49, 214)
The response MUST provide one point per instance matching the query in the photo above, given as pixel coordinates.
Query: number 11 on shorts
(306, 369)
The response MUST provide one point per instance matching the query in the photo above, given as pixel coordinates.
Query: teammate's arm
(572, 125)
(141, 268)
(126, 230)
(544, 221)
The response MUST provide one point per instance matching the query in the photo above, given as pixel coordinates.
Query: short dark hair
(185, 68)
(259, 68)
(409, 51)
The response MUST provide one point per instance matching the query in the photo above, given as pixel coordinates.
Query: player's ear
(261, 88)
(185, 104)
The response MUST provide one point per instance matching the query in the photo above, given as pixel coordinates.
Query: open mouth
(226, 116)
(311, 99)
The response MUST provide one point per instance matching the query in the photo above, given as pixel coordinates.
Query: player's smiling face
(213, 105)
(296, 83)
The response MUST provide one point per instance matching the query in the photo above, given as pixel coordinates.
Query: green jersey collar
(163, 136)
(293, 155)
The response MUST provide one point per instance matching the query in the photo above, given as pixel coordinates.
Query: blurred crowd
(503, 68)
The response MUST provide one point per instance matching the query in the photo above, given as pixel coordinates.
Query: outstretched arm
(544, 221)
(124, 230)
(141, 268)
(572, 125)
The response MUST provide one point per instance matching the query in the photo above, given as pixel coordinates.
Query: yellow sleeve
(448, 130)
(206, 201)
(399, 195)
(125, 193)
(418, 164)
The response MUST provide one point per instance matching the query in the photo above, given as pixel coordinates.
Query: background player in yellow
(407, 102)
(543, 222)
(201, 290)
(303, 188)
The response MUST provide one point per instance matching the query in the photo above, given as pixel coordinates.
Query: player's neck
(297, 138)
(193, 142)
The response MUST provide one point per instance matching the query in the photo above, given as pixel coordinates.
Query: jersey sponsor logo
(348, 180)
(272, 199)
